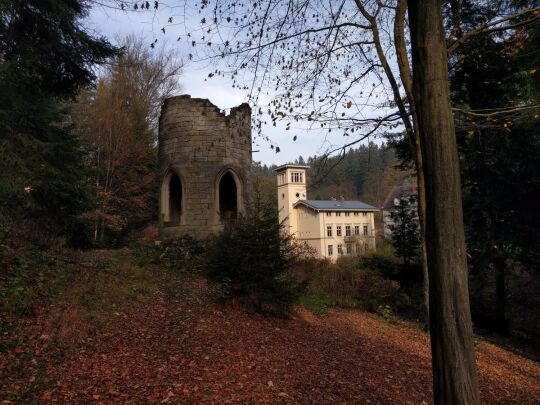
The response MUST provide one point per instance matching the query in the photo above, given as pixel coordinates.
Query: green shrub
(30, 279)
(383, 261)
(374, 291)
(316, 303)
(347, 283)
(387, 265)
(182, 253)
(251, 259)
(385, 311)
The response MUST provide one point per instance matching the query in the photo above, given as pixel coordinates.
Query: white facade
(398, 194)
(291, 188)
(332, 227)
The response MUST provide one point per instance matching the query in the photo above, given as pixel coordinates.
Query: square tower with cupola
(291, 187)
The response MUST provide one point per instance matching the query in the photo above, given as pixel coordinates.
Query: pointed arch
(229, 201)
(172, 196)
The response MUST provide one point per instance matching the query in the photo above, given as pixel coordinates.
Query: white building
(399, 194)
(332, 227)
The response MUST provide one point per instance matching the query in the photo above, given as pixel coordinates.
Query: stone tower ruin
(204, 165)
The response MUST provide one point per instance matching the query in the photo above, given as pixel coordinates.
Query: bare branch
(494, 26)
(486, 113)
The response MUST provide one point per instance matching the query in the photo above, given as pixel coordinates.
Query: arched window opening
(228, 201)
(175, 199)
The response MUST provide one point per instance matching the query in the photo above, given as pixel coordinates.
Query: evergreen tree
(500, 153)
(45, 58)
(406, 231)
(251, 259)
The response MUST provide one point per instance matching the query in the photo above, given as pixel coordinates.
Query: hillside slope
(140, 334)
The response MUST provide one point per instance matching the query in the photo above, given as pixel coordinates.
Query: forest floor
(122, 332)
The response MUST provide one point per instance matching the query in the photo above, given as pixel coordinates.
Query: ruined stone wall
(200, 143)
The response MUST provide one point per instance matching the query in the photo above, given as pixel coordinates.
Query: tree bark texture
(454, 369)
(414, 140)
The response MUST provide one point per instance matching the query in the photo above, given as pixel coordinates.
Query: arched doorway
(228, 197)
(175, 199)
(171, 199)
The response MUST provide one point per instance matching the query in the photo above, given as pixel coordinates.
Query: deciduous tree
(117, 123)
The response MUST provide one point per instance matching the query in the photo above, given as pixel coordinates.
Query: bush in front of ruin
(251, 259)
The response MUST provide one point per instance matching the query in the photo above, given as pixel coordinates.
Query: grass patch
(100, 293)
(318, 304)
(30, 280)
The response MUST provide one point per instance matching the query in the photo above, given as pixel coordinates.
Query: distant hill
(367, 173)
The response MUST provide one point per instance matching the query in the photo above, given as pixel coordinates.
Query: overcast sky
(116, 24)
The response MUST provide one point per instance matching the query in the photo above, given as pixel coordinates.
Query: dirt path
(181, 348)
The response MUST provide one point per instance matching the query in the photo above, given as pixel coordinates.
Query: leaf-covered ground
(139, 335)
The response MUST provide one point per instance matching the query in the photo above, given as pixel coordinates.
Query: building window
(348, 247)
(328, 214)
(338, 214)
(357, 230)
(356, 214)
(329, 230)
(347, 214)
(330, 250)
(340, 249)
(297, 177)
(347, 230)
(364, 214)
(338, 230)
(366, 230)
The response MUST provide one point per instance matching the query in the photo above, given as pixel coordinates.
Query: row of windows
(296, 177)
(347, 213)
(348, 250)
(347, 230)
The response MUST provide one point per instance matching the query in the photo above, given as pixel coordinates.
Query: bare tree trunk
(454, 369)
(414, 139)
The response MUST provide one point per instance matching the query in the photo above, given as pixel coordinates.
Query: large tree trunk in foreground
(454, 369)
(413, 138)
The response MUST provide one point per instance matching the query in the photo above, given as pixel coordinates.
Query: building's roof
(284, 167)
(336, 205)
(398, 192)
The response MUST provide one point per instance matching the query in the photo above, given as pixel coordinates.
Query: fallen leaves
(189, 350)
